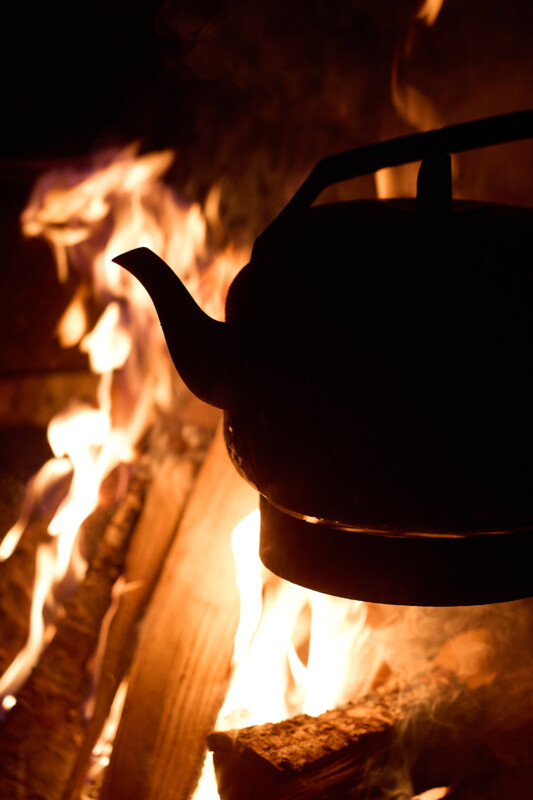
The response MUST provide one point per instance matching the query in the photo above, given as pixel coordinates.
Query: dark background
(251, 94)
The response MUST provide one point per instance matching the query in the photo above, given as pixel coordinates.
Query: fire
(19, 669)
(50, 473)
(299, 651)
(411, 104)
(88, 215)
(296, 650)
(429, 11)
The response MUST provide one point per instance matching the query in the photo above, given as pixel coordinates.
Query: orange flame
(429, 11)
(295, 651)
(89, 214)
(411, 104)
(20, 668)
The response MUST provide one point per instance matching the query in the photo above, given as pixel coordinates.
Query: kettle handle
(392, 153)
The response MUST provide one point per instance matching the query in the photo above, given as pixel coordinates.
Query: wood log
(180, 671)
(42, 733)
(17, 576)
(435, 732)
(17, 571)
(149, 546)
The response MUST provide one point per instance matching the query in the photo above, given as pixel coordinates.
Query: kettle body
(387, 381)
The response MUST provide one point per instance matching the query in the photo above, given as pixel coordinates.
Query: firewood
(17, 572)
(42, 733)
(17, 576)
(437, 730)
(182, 664)
(149, 546)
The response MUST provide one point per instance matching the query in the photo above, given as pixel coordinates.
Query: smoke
(411, 639)
(484, 647)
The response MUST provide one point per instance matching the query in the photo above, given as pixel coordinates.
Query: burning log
(437, 731)
(182, 664)
(42, 733)
(158, 522)
(17, 572)
(16, 581)
(48, 737)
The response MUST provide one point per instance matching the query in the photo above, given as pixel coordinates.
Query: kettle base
(396, 568)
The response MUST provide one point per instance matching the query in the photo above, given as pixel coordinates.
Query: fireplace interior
(207, 117)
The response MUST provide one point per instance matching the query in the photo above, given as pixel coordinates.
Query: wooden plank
(180, 671)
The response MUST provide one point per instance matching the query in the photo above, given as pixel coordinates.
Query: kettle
(375, 374)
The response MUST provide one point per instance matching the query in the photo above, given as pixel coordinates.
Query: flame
(115, 202)
(104, 746)
(49, 474)
(411, 104)
(20, 668)
(73, 323)
(433, 794)
(299, 651)
(120, 588)
(429, 11)
(296, 650)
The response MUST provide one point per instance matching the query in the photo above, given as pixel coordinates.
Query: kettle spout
(198, 344)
